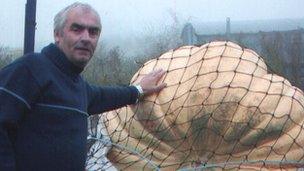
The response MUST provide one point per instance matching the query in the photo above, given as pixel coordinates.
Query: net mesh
(221, 109)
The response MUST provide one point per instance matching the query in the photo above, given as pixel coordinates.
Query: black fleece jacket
(44, 105)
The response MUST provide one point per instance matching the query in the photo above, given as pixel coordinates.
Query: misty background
(124, 21)
(134, 31)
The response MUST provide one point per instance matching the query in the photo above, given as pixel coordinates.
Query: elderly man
(44, 103)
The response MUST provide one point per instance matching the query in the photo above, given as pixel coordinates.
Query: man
(44, 103)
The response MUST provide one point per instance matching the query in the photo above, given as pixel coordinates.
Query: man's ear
(56, 36)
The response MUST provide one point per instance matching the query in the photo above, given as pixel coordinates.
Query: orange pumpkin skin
(220, 108)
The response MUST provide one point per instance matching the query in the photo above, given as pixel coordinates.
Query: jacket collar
(60, 60)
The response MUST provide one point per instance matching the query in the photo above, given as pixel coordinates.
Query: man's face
(79, 37)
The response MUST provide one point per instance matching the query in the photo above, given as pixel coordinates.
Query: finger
(159, 72)
(160, 87)
(151, 73)
(156, 72)
(159, 75)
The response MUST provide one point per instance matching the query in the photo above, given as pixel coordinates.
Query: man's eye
(94, 31)
(76, 28)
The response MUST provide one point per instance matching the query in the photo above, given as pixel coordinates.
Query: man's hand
(149, 82)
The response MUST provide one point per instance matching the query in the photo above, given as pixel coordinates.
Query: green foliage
(272, 48)
(296, 52)
(5, 56)
(109, 67)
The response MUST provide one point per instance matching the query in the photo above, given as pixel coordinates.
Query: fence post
(29, 26)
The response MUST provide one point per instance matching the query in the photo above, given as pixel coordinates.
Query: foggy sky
(125, 18)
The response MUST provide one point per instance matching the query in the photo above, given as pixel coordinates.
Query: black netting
(220, 110)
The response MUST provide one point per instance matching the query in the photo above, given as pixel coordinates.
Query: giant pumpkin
(221, 109)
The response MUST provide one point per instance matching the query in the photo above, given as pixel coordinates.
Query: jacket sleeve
(108, 98)
(18, 90)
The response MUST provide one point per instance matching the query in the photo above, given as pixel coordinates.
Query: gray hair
(61, 17)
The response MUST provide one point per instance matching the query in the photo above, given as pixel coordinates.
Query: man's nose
(85, 36)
